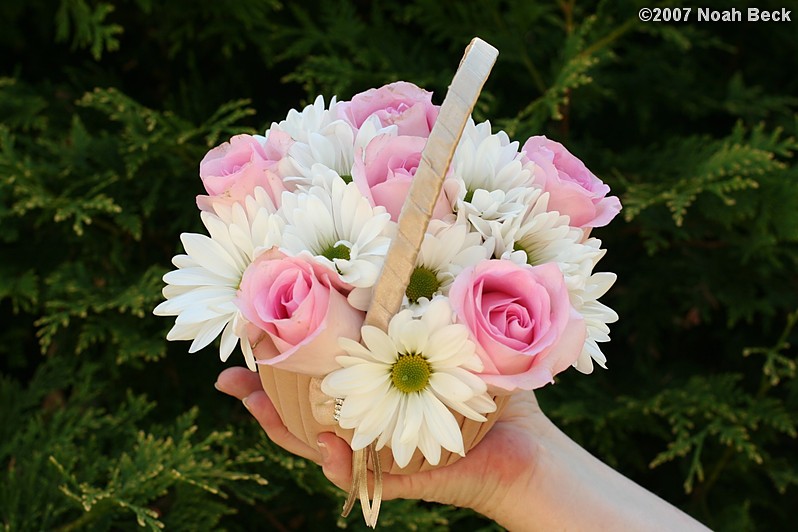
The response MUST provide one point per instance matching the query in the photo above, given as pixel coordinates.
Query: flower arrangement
(502, 296)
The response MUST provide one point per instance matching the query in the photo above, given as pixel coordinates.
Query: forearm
(572, 490)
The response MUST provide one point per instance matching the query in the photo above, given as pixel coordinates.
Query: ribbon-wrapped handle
(477, 62)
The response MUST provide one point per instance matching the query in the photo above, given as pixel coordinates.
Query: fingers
(246, 386)
(336, 462)
(238, 382)
(333, 454)
(336, 459)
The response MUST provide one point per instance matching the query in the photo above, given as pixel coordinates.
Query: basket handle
(477, 62)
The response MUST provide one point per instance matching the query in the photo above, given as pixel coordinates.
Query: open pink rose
(522, 321)
(572, 188)
(384, 171)
(297, 310)
(234, 169)
(402, 104)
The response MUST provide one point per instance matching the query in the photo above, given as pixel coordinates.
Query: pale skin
(526, 474)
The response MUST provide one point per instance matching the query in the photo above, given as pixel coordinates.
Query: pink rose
(384, 171)
(522, 321)
(234, 169)
(402, 104)
(572, 188)
(297, 310)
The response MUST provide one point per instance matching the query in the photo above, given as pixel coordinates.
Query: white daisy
(338, 226)
(444, 253)
(201, 292)
(396, 388)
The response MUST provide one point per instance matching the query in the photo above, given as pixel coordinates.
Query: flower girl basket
(298, 399)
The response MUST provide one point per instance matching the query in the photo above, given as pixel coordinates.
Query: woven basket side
(290, 394)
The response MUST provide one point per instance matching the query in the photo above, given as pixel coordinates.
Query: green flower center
(423, 283)
(347, 178)
(336, 252)
(410, 373)
(531, 258)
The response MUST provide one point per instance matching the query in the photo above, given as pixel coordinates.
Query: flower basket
(307, 412)
(394, 271)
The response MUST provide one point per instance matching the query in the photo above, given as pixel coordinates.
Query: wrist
(515, 470)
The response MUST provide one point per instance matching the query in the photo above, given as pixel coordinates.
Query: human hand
(503, 463)
(525, 474)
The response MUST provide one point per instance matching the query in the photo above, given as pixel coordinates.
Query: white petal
(402, 452)
(355, 349)
(210, 255)
(379, 344)
(449, 346)
(207, 334)
(201, 296)
(188, 331)
(414, 416)
(413, 337)
(249, 357)
(228, 342)
(196, 276)
(442, 424)
(359, 379)
(430, 448)
(449, 386)
(377, 419)
(482, 403)
(468, 378)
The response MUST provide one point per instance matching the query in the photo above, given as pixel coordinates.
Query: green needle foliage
(107, 107)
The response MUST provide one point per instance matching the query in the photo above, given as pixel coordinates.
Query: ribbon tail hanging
(359, 488)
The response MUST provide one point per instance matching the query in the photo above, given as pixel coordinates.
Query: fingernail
(244, 400)
(216, 385)
(325, 452)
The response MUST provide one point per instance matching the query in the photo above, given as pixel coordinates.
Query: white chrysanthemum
(312, 119)
(444, 253)
(542, 236)
(202, 290)
(489, 161)
(334, 146)
(396, 388)
(338, 226)
(597, 315)
(489, 213)
(490, 183)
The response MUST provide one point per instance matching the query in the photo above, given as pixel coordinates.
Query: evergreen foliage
(107, 107)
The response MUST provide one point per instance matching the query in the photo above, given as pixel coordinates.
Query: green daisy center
(410, 373)
(347, 178)
(423, 283)
(531, 257)
(336, 252)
